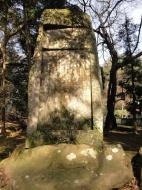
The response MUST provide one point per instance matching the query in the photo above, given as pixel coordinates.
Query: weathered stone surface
(66, 17)
(64, 82)
(69, 38)
(66, 167)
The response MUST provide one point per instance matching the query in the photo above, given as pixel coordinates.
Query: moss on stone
(47, 137)
(65, 17)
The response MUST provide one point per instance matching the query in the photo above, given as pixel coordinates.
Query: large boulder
(65, 167)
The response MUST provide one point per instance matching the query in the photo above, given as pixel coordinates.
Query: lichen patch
(119, 146)
(85, 161)
(27, 176)
(59, 151)
(109, 157)
(115, 150)
(71, 156)
(89, 152)
(124, 154)
(76, 181)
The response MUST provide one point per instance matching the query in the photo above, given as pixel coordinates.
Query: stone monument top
(66, 17)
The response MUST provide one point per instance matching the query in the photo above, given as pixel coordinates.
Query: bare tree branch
(138, 38)
(137, 55)
(84, 4)
(129, 60)
(16, 31)
(114, 7)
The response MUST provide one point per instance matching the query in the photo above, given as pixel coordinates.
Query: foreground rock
(65, 167)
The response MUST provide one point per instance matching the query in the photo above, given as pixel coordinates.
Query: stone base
(65, 167)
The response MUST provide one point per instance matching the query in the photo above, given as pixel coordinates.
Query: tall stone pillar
(64, 82)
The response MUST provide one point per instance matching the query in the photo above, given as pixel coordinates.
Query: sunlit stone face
(67, 84)
(65, 88)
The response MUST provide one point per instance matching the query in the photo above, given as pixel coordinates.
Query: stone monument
(64, 82)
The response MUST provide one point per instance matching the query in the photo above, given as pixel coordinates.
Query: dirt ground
(130, 141)
(123, 135)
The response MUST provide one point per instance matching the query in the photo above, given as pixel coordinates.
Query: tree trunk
(27, 31)
(110, 122)
(133, 98)
(4, 63)
(4, 53)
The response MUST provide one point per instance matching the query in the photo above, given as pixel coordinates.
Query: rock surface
(66, 167)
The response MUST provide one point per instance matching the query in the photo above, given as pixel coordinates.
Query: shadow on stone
(65, 119)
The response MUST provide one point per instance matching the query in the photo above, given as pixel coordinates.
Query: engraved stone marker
(64, 81)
